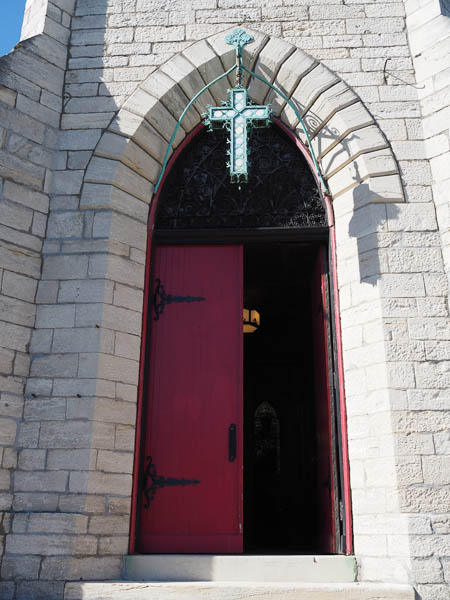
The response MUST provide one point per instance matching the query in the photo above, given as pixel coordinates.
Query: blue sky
(11, 17)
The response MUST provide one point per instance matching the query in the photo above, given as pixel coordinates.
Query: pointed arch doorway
(240, 446)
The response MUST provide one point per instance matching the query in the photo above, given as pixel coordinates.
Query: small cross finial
(239, 38)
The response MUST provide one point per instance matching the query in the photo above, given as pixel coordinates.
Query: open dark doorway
(283, 493)
(293, 465)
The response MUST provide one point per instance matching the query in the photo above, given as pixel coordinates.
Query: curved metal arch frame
(237, 67)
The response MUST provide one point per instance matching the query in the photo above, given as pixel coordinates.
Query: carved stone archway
(350, 146)
(356, 162)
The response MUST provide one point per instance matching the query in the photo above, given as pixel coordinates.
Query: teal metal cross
(238, 115)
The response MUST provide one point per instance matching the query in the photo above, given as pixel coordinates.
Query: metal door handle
(232, 442)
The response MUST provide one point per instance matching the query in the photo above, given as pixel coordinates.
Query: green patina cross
(238, 115)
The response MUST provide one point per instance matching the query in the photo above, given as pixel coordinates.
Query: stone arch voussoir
(355, 158)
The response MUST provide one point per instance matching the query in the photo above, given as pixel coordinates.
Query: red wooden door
(325, 472)
(192, 501)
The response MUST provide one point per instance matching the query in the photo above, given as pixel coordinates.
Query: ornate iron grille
(281, 191)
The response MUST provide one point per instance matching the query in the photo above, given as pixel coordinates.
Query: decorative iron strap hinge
(161, 298)
(153, 482)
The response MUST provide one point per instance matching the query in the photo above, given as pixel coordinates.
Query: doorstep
(128, 590)
(240, 567)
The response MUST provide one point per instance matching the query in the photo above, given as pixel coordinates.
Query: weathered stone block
(8, 429)
(125, 436)
(30, 460)
(34, 501)
(67, 182)
(82, 503)
(414, 443)
(65, 225)
(120, 228)
(26, 481)
(115, 462)
(117, 269)
(100, 483)
(9, 458)
(41, 340)
(47, 292)
(36, 110)
(83, 340)
(15, 215)
(436, 470)
(55, 365)
(45, 409)
(114, 544)
(65, 267)
(57, 523)
(93, 121)
(81, 568)
(128, 297)
(6, 360)
(5, 480)
(108, 367)
(429, 328)
(73, 434)
(7, 590)
(16, 567)
(97, 290)
(14, 337)
(127, 346)
(119, 506)
(19, 286)
(111, 524)
(78, 140)
(101, 170)
(16, 311)
(25, 196)
(71, 460)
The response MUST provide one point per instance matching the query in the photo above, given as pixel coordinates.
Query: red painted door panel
(323, 411)
(195, 394)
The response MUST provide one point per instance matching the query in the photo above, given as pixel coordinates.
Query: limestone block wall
(72, 485)
(31, 88)
(429, 36)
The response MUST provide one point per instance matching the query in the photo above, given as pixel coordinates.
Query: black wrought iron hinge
(153, 482)
(161, 298)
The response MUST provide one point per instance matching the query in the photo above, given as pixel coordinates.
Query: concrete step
(242, 567)
(128, 590)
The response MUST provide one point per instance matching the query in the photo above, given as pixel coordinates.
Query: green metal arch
(275, 89)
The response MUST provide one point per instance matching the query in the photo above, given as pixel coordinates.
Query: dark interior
(280, 512)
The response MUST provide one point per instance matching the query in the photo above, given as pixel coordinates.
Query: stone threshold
(240, 567)
(128, 590)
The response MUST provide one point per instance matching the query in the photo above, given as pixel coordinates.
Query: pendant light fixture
(252, 320)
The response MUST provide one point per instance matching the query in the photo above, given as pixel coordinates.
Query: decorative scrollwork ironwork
(153, 482)
(161, 298)
(281, 190)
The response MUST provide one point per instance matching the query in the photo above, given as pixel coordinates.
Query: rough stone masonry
(88, 102)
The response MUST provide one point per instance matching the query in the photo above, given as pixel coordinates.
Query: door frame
(245, 236)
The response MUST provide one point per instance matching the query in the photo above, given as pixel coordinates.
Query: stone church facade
(89, 100)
